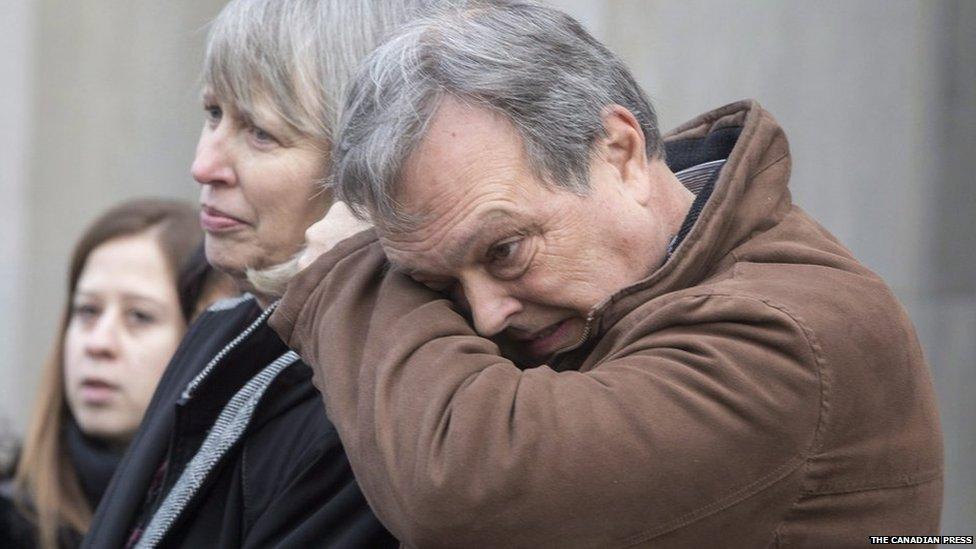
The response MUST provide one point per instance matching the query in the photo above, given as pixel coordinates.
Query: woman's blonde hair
(47, 487)
(297, 57)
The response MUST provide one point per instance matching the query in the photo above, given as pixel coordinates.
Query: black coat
(16, 532)
(286, 483)
(93, 461)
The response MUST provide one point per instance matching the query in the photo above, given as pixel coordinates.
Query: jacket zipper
(587, 328)
(191, 387)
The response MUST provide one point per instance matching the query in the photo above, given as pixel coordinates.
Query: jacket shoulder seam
(816, 351)
(902, 481)
(729, 500)
(787, 467)
(812, 344)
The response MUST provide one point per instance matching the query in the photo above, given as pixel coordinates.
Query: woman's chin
(106, 425)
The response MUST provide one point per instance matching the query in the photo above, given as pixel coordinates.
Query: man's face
(523, 258)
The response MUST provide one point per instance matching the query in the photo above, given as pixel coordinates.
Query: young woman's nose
(102, 339)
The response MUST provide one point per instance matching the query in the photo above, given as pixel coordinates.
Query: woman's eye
(262, 137)
(84, 311)
(140, 317)
(213, 113)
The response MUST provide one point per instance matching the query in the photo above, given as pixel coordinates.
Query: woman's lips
(213, 220)
(96, 391)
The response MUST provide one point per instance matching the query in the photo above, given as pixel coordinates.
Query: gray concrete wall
(103, 105)
(16, 48)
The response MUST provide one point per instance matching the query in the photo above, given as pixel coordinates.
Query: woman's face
(125, 325)
(260, 186)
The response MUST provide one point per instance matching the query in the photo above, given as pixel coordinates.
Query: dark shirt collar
(700, 180)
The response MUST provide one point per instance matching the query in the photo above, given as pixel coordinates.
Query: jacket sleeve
(695, 422)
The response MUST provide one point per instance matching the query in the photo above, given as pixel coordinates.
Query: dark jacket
(16, 531)
(93, 462)
(761, 388)
(285, 483)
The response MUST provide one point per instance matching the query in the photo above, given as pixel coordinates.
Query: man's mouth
(546, 332)
(548, 340)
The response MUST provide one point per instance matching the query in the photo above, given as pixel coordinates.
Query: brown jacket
(762, 388)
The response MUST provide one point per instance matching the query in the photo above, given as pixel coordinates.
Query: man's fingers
(338, 224)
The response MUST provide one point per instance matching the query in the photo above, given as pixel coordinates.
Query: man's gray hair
(298, 55)
(533, 64)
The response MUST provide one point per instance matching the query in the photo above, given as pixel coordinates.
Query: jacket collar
(740, 205)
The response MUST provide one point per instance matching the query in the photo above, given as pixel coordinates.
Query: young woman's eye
(84, 311)
(140, 318)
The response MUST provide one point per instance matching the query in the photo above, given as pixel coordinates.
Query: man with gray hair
(567, 331)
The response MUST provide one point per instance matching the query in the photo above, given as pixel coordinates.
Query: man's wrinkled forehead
(423, 252)
(412, 250)
(466, 175)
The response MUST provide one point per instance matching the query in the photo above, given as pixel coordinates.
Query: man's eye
(439, 286)
(508, 259)
(504, 251)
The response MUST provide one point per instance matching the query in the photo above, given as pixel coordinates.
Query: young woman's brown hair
(46, 484)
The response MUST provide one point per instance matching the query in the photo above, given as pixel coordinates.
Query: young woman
(136, 278)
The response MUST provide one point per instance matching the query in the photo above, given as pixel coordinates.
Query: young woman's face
(125, 325)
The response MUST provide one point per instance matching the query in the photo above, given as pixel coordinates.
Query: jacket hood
(749, 196)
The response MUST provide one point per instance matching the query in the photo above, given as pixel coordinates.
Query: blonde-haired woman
(134, 282)
(237, 450)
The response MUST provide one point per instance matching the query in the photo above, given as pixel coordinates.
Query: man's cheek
(456, 294)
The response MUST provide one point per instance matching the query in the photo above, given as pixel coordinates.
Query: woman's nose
(102, 340)
(212, 164)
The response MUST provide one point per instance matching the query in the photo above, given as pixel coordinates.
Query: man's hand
(338, 224)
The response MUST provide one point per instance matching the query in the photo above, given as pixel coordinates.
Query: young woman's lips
(215, 221)
(96, 391)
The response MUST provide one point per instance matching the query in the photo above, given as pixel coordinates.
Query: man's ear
(623, 149)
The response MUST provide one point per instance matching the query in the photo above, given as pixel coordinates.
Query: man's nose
(212, 164)
(491, 306)
(102, 339)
